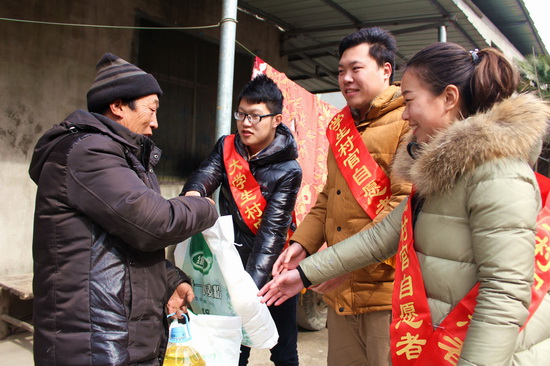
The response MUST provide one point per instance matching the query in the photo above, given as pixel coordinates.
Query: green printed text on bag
(222, 286)
(211, 295)
(200, 255)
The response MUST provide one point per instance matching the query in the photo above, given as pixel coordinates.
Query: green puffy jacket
(476, 224)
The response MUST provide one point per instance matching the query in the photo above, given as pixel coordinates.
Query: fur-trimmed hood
(513, 128)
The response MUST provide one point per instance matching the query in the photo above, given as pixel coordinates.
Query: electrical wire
(117, 26)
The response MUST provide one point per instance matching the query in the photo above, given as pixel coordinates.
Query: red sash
(244, 187)
(413, 339)
(367, 181)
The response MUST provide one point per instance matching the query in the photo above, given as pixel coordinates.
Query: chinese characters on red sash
(413, 338)
(244, 187)
(367, 181)
(411, 320)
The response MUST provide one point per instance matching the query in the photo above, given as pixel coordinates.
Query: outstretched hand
(289, 259)
(197, 194)
(330, 285)
(281, 288)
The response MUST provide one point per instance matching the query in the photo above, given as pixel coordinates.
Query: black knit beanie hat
(119, 79)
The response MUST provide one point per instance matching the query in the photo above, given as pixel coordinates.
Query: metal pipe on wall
(228, 31)
(226, 66)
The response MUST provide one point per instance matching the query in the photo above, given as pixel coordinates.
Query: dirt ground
(312, 350)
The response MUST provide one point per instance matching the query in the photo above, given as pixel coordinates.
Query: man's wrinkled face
(143, 119)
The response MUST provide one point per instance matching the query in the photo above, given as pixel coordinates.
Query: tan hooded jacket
(337, 215)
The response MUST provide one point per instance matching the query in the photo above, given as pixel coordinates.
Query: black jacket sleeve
(210, 173)
(102, 186)
(175, 277)
(277, 217)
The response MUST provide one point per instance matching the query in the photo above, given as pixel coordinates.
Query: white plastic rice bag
(222, 286)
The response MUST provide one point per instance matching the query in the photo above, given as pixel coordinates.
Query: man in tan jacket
(360, 302)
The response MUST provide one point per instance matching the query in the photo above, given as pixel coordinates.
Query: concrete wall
(45, 71)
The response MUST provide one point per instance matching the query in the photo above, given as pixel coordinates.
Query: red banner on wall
(307, 116)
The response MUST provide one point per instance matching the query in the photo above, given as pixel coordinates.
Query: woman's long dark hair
(482, 78)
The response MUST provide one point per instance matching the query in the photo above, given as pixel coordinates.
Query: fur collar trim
(514, 128)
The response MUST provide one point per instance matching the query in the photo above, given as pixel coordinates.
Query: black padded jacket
(279, 175)
(101, 280)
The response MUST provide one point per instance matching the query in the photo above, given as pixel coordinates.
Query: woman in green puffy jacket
(473, 141)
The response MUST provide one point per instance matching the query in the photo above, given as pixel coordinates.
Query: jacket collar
(109, 127)
(141, 146)
(282, 148)
(513, 128)
(387, 101)
(83, 121)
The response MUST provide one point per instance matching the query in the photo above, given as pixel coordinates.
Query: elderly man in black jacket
(101, 281)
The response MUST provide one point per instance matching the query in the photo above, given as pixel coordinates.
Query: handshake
(287, 281)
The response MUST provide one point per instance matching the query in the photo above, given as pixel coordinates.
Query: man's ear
(277, 120)
(116, 108)
(452, 97)
(387, 70)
